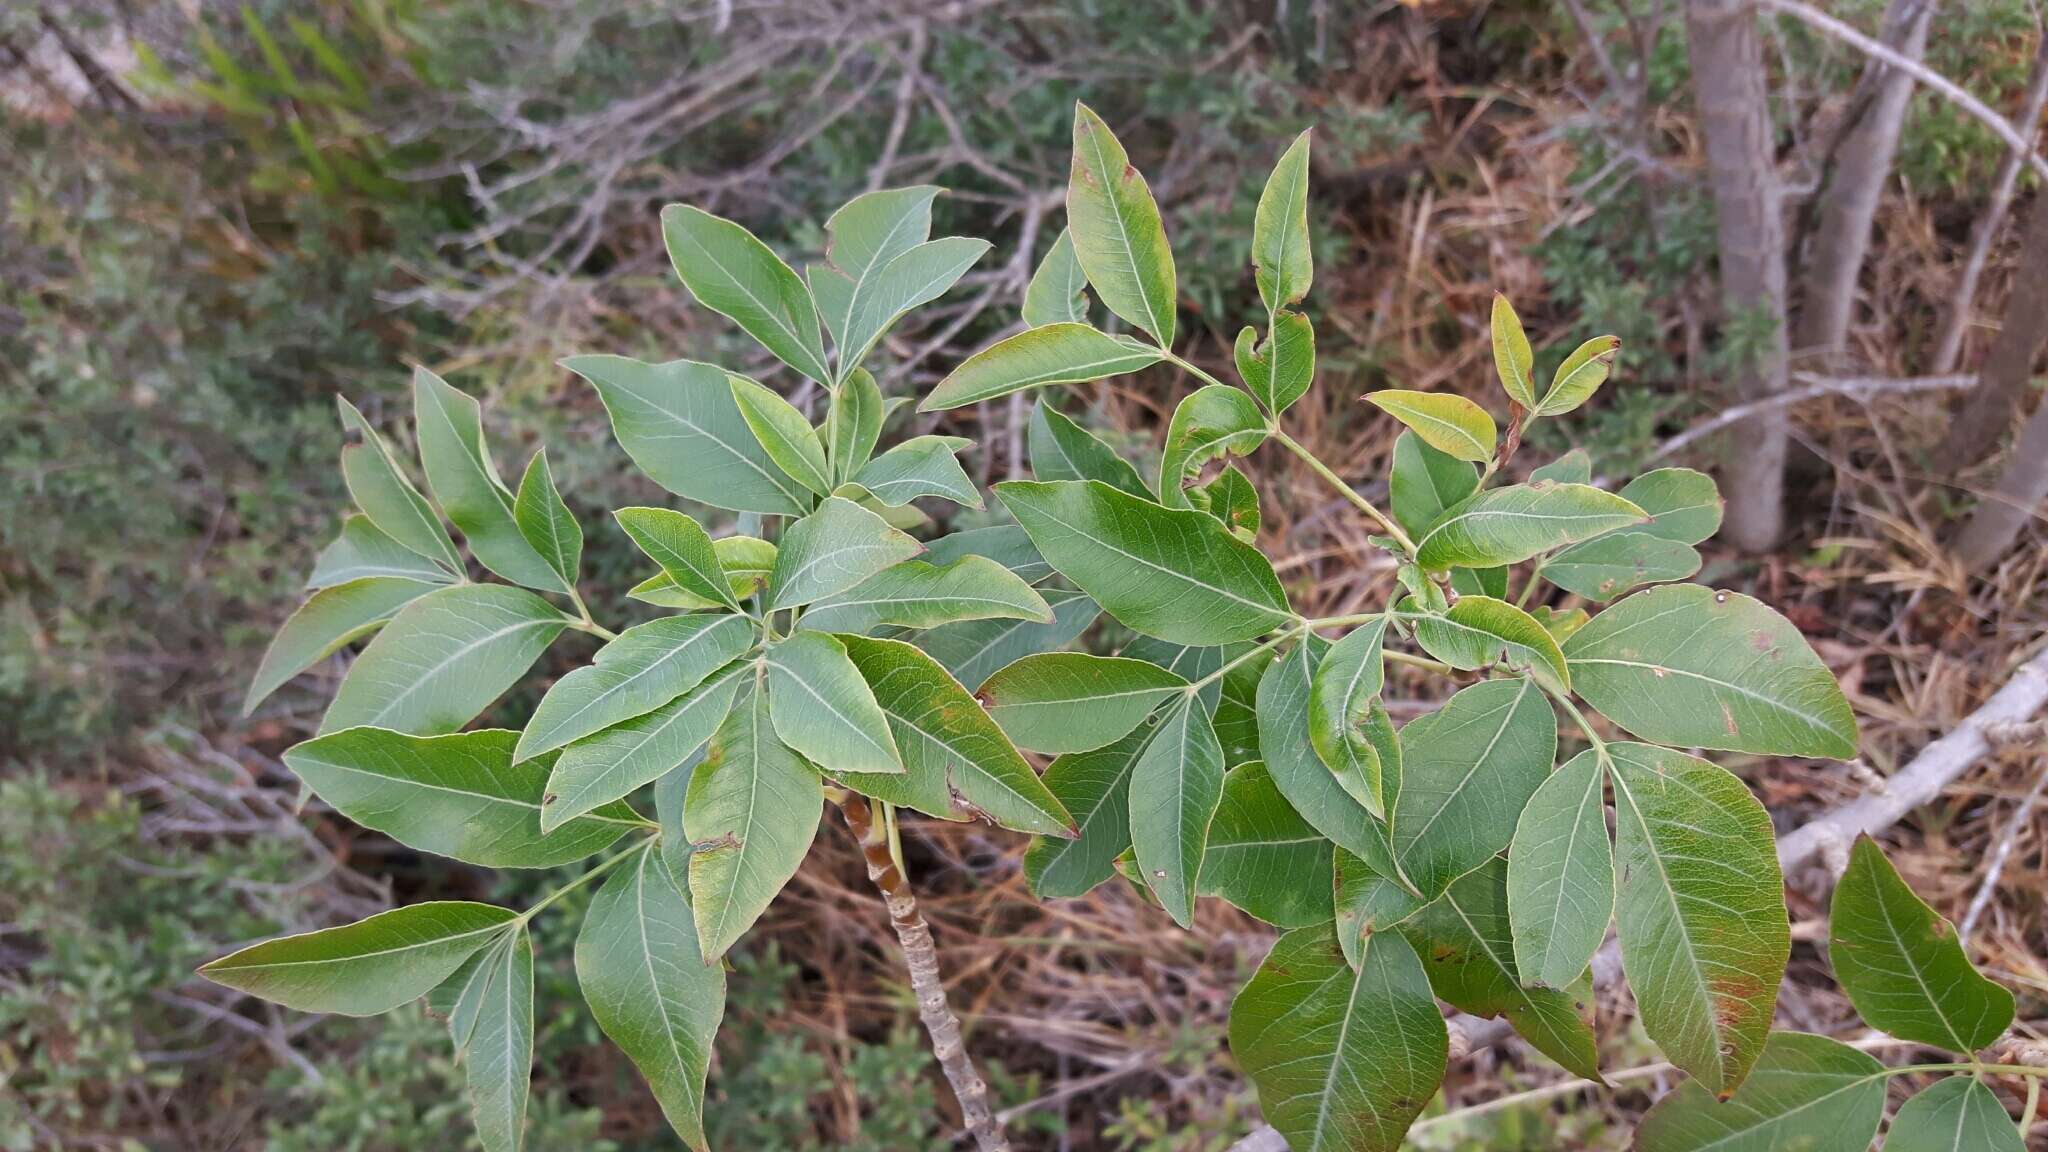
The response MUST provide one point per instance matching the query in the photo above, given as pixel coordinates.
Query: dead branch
(1861, 387)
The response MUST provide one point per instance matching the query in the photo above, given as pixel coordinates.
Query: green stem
(586, 624)
(603, 866)
(1535, 571)
(1346, 490)
(1585, 725)
(1262, 646)
(1414, 661)
(1193, 370)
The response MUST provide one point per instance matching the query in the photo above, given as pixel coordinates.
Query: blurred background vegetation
(215, 216)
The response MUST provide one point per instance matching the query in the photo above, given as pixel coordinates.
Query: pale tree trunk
(2006, 510)
(2003, 379)
(1730, 87)
(1848, 204)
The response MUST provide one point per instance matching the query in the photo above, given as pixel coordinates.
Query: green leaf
(974, 650)
(380, 488)
(1701, 910)
(823, 709)
(1513, 359)
(1058, 292)
(545, 521)
(646, 667)
(1283, 702)
(1560, 625)
(920, 466)
(461, 796)
(1063, 450)
(1606, 566)
(1342, 1061)
(1467, 770)
(1468, 951)
(1282, 263)
(444, 658)
(1175, 574)
(1425, 482)
(1208, 423)
(497, 1047)
(874, 228)
(1094, 788)
(329, 619)
(1188, 663)
(1279, 369)
(1231, 499)
(1006, 544)
(687, 555)
(1808, 1092)
(957, 763)
(751, 812)
(1060, 353)
(915, 594)
(1903, 965)
(832, 550)
(1574, 467)
(1684, 505)
(1449, 423)
(1341, 698)
(914, 278)
(604, 767)
(1479, 582)
(650, 988)
(784, 434)
(466, 483)
(1175, 787)
(1579, 376)
(853, 425)
(1366, 902)
(1118, 236)
(1509, 525)
(738, 277)
(363, 551)
(365, 968)
(1704, 668)
(1560, 876)
(1263, 857)
(1951, 1115)
(1057, 702)
(1480, 631)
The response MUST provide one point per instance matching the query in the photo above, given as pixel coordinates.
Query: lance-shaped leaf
(1057, 702)
(861, 238)
(1513, 360)
(1284, 696)
(1058, 291)
(650, 988)
(680, 424)
(380, 488)
(465, 482)
(919, 467)
(1560, 875)
(460, 795)
(1346, 683)
(646, 667)
(1263, 857)
(1701, 910)
(832, 550)
(823, 709)
(738, 277)
(915, 594)
(975, 650)
(1579, 376)
(1061, 353)
(364, 968)
(685, 552)
(1467, 770)
(1366, 902)
(444, 658)
(1188, 663)
(329, 619)
(602, 768)
(1684, 505)
(1425, 482)
(1808, 1092)
(1118, 235)
(853, 425)
(1509, 525)
(1447, 422)
(1175, 788)
(363, 551)
(957, 763)
(1278, 369)
(1951, 1115)
(545, 520)
(1343, 1061)
(1574, 467)
(1094, 787)
(1231, 499)
(1281, 261)
(785, 435)
(496, 1041)
(1176, 574)
(1480, 631)
(1903, 965)
(1063, 450)
(1210, 422)
(915, 277)
(1699, 667)
(1606, 566)
(751, 812)
(1468, 951)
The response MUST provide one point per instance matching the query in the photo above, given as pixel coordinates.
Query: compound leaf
(1060, 353)
(915, 594)
(1808, 1092)
(686, 553)
(1056, 702)
(368, 967)
(646, 667)
(1509, 525)
(738, 277)
(1481, 631)
(785, 435)
(1467, 770)
(822, 708)
(329, 619)
(466, 483)
(832, 550)
(443, 659)
(1118, 235)
(604, 767)
(1175, 787)
(1281, 260)
(1447, 422)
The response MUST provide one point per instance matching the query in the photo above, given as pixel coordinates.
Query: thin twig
(1816, 386)
(1999, 855)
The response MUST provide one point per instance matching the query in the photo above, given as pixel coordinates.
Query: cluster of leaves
(1234, 748)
